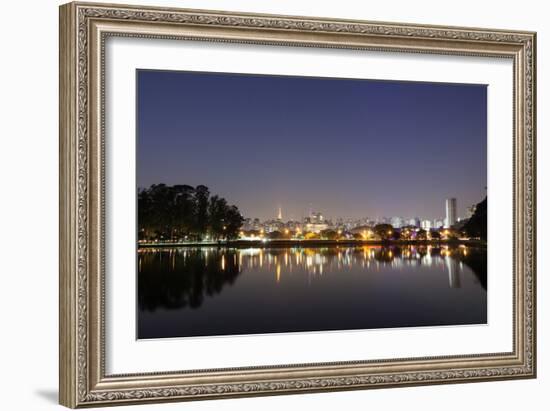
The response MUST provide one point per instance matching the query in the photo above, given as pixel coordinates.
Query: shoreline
(311, 243)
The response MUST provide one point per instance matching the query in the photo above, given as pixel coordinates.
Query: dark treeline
(477, 225)
(184, 212)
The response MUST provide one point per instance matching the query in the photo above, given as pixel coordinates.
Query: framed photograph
(259, 204)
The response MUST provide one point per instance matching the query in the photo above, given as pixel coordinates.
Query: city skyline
(279, 215)
(350, 148)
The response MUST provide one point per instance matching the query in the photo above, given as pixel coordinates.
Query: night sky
(344, 147)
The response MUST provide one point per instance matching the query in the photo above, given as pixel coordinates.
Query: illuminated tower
(280, 214)
(450, 210)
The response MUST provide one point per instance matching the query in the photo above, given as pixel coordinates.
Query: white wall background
(29, 190)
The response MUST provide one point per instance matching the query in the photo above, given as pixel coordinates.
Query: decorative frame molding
(83, 30)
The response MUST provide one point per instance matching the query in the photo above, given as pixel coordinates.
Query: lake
(207, 291)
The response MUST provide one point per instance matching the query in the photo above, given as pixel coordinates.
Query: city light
(319, 228)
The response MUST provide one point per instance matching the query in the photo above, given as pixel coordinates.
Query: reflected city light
(320, 261)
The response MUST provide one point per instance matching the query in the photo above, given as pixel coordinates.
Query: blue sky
(345, 147)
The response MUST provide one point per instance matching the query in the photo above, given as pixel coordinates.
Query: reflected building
(338, 283)
(453, 271)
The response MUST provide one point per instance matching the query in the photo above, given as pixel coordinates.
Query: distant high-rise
(280, 214)
(315, 223)
(450, 212)
(396, 222)
(415, 222)
(426, 224)
(316, 218)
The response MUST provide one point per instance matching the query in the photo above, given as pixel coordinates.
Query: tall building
(316, 218)
(426, 224)
(450, 212)
(280, 214)
(315, 223)
(397, 222)
(438, 223)
(415, 222)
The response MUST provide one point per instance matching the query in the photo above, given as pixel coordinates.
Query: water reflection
(207, 269)
(183, 278)
(204, 285)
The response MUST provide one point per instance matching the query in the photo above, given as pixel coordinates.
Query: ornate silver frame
(83, 30)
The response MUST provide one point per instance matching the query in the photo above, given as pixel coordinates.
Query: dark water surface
(221, 291)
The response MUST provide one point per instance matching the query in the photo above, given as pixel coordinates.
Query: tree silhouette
(477, 225)
(201, 207)
(435, 235)
(181, 211)
(329, 234)
(421, 234)
(384, 231)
